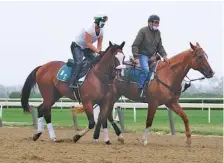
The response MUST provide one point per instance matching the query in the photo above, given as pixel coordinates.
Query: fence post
(61, 104)
(170, 114)
(7, 104)
(33, 117)
(121, 117)
(1, 124)
(202, 105)
(209, 115)
(134, 113)
(75, 119)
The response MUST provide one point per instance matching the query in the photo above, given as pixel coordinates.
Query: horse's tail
(29, 84)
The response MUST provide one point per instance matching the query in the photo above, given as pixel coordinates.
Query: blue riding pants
(143, 59)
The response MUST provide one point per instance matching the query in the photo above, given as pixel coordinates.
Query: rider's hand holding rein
(165, 58)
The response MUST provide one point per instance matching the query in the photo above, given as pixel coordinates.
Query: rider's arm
(137, 42)
(161, 49)
(99, 43)
(89, 43)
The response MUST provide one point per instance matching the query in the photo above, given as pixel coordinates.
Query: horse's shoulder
(161, 65)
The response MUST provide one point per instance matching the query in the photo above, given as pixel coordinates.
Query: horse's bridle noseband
(188, 83)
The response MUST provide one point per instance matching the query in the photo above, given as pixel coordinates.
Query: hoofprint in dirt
(17, 146)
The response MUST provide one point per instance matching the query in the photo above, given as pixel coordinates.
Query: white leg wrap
(40, 126)
(51, 131)
(121, 136)
(105, 133)
(145, 136)
(95, 141)
(96, 113)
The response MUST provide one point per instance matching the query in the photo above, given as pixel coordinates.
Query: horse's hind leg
(47, 117)
(50, 96)
(88, 107)
(152, 106)
(40, 125)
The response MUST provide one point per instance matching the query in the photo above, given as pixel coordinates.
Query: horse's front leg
(175, 106)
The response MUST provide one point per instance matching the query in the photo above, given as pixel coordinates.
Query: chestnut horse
(91, 92)
(165, 88)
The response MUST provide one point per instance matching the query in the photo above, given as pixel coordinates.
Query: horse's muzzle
(209, 74)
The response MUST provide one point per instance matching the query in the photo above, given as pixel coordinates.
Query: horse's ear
(192, 46)
(198, 44)
(110, 43)
(122, 45)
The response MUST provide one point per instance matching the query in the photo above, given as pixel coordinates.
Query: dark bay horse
(91, 92)
(165, 88)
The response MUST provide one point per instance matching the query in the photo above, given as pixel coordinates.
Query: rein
(107, 76)
(99, 73)
(186, 86)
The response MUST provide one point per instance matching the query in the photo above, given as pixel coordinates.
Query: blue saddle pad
(64, 73)
(135, 75)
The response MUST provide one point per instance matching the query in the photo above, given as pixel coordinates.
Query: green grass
(198, 120)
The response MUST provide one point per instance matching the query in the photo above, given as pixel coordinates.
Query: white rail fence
(61, 104)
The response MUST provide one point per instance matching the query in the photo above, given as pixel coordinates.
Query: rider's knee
(79, 63)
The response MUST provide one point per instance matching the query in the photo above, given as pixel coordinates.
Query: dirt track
(16, 146)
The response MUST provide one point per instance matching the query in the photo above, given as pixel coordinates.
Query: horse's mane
(175, 59)
(99, 57)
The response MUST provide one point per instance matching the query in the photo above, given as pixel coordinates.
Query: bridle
(109, 75)
(188, 83)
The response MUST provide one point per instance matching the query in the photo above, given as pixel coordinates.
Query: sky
(34, 33)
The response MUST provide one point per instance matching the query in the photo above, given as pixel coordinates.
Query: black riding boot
(74, 78)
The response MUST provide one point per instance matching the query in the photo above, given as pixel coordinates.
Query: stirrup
(74, 86)
(142, 94)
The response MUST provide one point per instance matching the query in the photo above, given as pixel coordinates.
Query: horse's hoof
(108, 142)
(121, 139)
(145, 142)
(188, 142)
(76, 138)
(58, 140)
(36, 136)
(95, 141)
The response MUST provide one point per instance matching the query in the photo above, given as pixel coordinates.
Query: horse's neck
(104, 64)
(179, 66)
